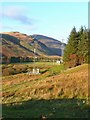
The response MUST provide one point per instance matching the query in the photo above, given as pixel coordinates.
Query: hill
(53, 44)
(53, 82)
(54, 91)
(15, 44)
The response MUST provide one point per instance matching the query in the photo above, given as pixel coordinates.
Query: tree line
(14, 59)
(76, 50)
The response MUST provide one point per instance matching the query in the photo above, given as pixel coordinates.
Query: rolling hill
(55, 93)
(53, 44)
(15, 44)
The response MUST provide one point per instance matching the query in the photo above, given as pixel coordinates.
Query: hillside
(53, 44)
(15, 44)
(50, 92)
(53, 82)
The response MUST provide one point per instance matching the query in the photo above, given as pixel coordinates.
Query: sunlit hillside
(53, 83)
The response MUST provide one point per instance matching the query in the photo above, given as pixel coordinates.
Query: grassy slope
(48, 93)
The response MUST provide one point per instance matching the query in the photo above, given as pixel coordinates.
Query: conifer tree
(76, 51)
(70, 53)
(83, 45)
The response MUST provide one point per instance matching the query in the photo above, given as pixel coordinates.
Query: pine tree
(83, 45)
(85, 48)
(80, 45)
(76, 51)
(70, 53)
(88, 46)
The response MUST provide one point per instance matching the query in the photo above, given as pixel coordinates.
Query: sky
(53, 19)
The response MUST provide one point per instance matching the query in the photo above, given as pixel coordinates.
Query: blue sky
(54, 19)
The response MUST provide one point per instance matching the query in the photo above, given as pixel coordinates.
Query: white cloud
(16, 13)
(19, 14)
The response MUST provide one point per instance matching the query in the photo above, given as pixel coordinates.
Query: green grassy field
(54, 93)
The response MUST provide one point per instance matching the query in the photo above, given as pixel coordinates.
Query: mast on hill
(35, 70)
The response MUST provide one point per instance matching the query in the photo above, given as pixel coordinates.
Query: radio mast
(35, 70)
(62, 47)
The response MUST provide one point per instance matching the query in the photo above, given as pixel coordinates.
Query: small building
(35, 71)
(58, 62)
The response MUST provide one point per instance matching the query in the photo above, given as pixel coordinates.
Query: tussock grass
(53, 82)
(31, 94)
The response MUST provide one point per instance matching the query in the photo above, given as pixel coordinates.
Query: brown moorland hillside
(15, 44)
(55, 93)
(71, 83)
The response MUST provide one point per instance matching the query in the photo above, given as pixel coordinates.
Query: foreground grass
(59, 108)
(55, 92)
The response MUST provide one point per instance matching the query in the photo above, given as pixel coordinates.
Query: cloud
(16, 13)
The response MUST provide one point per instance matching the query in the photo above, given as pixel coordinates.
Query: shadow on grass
(53, 108)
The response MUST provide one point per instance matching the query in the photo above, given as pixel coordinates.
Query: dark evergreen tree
(80, 45)
(76, 51)
(83, 45)
(70, 53)
(89, 46)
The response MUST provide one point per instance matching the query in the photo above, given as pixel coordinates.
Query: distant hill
(15, 44)
(53, 44)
